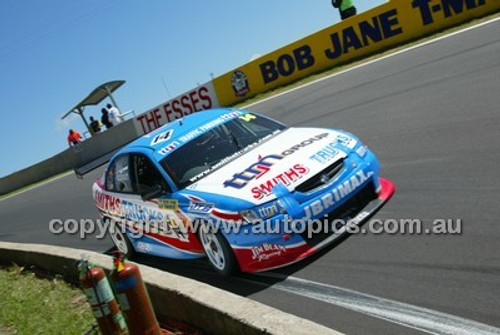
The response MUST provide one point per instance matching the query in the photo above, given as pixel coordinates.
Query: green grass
(32, 305)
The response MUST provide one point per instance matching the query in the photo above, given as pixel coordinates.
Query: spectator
(105, 118)
(95, 125)
(74, 138)
(346, 8)
(114, 114)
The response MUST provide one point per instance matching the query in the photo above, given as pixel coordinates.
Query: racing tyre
(218, 251)
(121, 241)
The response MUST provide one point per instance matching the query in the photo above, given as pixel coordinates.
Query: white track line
(423, 319)
(377, 60)
(29, 188)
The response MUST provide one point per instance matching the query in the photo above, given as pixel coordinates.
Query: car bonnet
(288, 158)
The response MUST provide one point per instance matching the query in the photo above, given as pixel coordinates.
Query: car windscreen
(216, 147)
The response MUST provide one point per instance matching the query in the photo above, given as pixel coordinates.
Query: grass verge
(33, 305)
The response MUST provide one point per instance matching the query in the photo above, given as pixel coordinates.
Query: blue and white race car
(241, 189)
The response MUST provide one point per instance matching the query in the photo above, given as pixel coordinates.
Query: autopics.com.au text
(306, 227)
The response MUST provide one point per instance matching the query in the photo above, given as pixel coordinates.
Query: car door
(163, 220)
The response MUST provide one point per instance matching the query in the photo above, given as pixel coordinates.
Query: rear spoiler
(91, 166)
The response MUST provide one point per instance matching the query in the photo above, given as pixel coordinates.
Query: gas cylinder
(100, 297)
(133, 298)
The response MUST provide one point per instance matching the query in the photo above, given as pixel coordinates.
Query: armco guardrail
(186, 300)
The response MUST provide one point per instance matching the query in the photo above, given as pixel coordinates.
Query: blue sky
(54, 52)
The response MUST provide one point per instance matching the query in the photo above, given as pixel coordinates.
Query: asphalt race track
(432, 115)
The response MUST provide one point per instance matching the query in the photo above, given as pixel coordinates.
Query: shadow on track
(243, 284)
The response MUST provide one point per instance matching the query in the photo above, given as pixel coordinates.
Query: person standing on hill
(346, 8)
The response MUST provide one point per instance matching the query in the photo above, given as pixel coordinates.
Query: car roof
(164, 136)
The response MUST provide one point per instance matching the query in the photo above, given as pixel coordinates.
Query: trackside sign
(197, 99)
(387, 25)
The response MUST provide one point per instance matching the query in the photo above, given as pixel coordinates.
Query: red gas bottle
(101, 299)
(133, 298)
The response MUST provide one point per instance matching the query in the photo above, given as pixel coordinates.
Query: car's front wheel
(218, 251)
(121, 240)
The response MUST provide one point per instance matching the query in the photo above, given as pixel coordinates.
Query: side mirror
(153, 192)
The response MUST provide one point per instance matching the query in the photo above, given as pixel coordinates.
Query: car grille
(348, 210)
(320, 179)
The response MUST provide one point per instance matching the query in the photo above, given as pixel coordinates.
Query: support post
(80, 112)
(108, 91)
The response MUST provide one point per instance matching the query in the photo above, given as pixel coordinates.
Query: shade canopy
(97, 95)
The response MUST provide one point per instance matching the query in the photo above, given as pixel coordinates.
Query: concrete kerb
(175, 297)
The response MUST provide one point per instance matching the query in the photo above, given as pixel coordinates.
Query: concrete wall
(89, 150)
(396, 22)
(392, 23)
(174, 297)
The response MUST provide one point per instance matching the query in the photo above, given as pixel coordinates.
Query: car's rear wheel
(218, 251)
(121, 240)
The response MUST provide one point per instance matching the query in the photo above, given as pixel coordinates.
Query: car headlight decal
(249, 215)
(361, 151)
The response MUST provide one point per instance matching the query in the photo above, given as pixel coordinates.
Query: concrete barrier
(390, 24)
(175, 297)
(37, 172)
(88, 151)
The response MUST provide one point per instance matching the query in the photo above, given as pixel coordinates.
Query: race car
(239, 188)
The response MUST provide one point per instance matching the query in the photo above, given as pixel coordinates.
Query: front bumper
(269, 251)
